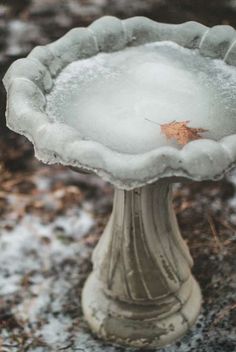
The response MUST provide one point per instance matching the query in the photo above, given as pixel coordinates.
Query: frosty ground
(51, 219)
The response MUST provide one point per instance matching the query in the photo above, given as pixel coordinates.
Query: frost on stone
(95, 117)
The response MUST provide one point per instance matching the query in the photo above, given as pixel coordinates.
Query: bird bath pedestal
(141, 291)
(88, 101)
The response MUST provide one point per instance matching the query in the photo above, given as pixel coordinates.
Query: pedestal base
(142, 292)
(131, 325)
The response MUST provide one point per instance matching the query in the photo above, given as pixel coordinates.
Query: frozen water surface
(110, 97)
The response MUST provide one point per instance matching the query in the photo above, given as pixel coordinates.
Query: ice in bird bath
(88, 105)
(113, 98)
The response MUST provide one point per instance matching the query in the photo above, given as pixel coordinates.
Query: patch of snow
(76, 222)
(20, 35)
(40, 267)
(55, 331)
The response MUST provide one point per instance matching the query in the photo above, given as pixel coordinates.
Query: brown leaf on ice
(181, 132)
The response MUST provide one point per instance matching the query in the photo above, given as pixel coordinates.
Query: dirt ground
(51, 218)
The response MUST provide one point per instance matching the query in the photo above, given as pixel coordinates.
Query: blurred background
(51, 218)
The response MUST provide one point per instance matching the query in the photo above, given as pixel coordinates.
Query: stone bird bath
(86, 101)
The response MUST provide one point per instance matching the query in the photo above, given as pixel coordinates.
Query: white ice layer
(109, 98)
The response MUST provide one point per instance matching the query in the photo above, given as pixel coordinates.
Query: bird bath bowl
(95, 100)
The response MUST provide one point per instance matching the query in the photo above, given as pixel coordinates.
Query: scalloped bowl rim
(198, 160)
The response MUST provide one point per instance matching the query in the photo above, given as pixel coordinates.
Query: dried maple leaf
(181, 132)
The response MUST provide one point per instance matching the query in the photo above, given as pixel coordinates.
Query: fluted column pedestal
(141, 292)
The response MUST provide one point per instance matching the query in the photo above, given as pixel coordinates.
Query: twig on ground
(214, 232)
